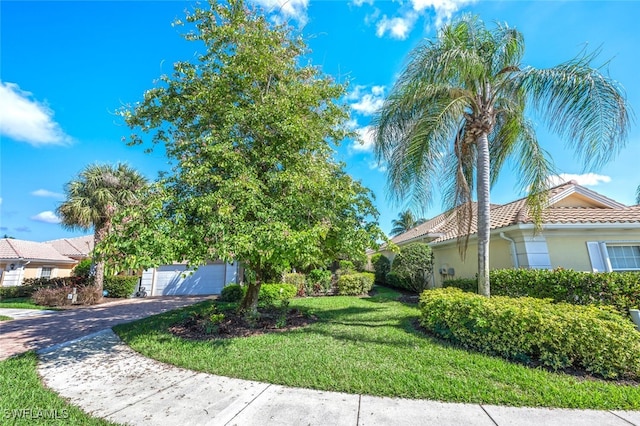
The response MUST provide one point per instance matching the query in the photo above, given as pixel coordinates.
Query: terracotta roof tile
(75, 247)
(444, 226)
(30, 250)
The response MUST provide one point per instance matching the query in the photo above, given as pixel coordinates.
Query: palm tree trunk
(98, 279)
(484, 215)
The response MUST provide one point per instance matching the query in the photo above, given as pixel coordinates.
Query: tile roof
(12, 249)
(444, 226)
(74, 247)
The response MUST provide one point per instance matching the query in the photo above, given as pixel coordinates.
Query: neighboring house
(20, 259)
(78, 248)
(581, 230)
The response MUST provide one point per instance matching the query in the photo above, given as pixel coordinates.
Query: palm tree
(405, 222)
(638, 195)
(457, 113)
(94, 198)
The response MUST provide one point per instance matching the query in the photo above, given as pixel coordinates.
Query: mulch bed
(197, 327)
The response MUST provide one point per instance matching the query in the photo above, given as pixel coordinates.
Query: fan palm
(405, 222)
(457, 112)
(94, 198)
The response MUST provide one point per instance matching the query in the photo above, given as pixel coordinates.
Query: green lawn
(24, 400)
(22, 303)
(5, 318)
(369, 346)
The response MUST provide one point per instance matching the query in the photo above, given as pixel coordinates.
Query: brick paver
(32, 333)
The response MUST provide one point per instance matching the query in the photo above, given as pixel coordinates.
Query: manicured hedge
(381, 266)
(232, 293)
(270, 294)
(557, 335)
(120, 286)
(355, 284)
(618, 289)
(412, 268)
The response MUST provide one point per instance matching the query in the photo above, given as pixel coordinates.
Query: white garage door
(176, 280)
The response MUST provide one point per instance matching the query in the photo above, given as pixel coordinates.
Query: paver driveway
(49, 329)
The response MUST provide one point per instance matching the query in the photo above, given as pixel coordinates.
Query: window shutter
(595, 255)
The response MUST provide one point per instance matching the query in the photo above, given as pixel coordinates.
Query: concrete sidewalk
(17, 313)
(103, 376)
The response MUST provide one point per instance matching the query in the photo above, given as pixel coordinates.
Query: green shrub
(274, 294)
(414, 267)
(464, 284)
(618, 289)
(232, 293)
(16, 291)
(318, 282)
(83, 268)
(558, 335)
(298, 280)
(381, 266)
(395, 280)
(355, 284)
(120, 286)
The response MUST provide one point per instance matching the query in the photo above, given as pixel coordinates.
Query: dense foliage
(557, 335)
(249, 127)
(412, 268)
(118, 286)
(270, 294)
(381, 266)
(355, 284)
(618, 289)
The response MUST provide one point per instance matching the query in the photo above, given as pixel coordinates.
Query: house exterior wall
(447, 256)
(568, 249)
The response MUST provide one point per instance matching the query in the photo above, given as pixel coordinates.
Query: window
(607, 256)
(624, 257)
(45, 272)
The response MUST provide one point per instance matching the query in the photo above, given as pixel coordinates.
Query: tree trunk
(249, 303)
(98, 278)
(484, 214)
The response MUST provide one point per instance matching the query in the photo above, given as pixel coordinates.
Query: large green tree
(249, 128)
(94, 198)
(457, 112)
(405, 222)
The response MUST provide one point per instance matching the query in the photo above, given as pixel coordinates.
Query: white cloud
(366, 101)
(47, 193)
(438, 12)
(46, 217)
(374, 165)
(444, 9)
(365, 140)
(27, 120)
(586, 179)
(398, 27)
(294, 9)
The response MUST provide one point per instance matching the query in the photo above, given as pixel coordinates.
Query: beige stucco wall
(568, 249)
(59, 271)
(500, 257)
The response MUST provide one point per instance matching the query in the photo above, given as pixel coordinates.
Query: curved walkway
(43, 329)
(107, 379)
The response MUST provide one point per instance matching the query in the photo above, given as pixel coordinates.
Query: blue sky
(66, 67)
